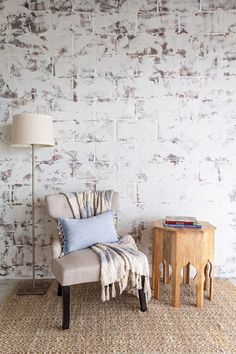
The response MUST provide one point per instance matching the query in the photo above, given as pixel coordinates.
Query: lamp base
(40, 288)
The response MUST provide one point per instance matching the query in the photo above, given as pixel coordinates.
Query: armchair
(82, 266)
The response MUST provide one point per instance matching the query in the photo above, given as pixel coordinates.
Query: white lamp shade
(29, 129)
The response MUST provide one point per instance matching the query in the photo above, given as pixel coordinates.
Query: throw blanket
(86, 204)
(121, 262)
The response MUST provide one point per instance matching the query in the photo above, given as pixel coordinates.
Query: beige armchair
(82, 266)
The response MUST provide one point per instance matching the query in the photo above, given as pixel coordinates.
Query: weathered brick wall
(143, 96)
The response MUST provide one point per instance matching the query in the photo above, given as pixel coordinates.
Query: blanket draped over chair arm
(56, 248)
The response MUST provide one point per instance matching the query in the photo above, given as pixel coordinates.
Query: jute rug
(32, 324)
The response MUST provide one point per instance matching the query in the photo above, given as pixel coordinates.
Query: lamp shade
(30, 128)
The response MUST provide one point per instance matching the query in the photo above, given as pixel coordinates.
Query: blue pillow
(83, 233)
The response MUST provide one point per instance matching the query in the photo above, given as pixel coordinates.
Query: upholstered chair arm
(56, 248)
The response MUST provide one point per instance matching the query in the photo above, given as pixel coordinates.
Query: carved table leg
(175, 280)
(186, 274)
(200, 287)
(157, 282)
(206, 272)
(153, 276)
(165, 272)
(211, 276)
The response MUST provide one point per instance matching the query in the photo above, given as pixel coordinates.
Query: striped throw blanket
(86, 204)
(121, 262)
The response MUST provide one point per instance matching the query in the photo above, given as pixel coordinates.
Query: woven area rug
(32, 324)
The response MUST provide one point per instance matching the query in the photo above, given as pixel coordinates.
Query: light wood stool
(179, 248)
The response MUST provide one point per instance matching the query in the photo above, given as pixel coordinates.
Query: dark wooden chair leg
(59, 291)
(66, 307)
(142, 297)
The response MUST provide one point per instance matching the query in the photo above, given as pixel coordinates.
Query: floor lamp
(31, 130)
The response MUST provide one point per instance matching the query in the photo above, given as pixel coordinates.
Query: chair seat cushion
(82, 266)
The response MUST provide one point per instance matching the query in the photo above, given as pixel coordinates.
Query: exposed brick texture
(142, 94)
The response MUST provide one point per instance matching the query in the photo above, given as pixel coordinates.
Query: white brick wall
(142, 94)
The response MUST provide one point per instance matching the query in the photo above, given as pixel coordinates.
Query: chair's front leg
(142, 297)
(59, 290)
(66, 307)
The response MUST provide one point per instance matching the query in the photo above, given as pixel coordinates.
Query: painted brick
(64, 130)
(200, 66)
(117, 66)
(148, 152)
(115, 151)
(157, 107)
(64, 66)
(38, 105)
(55, 87)
(66, 109)
(157, 23)
(86, 65)
(181, 87)
(79, 22)
(185, 45)
(115, 23)
(229, 21)
(20, 194)
(21, 169)
(4, 133)
(61, 5)
(53, 43)
(136, 129)
(5, 192)
(158, 67)
(141, 44)
(136, 5)
(20, 45)
(28, 22)
(18, 213)
(5, 111)
(4, 68)
(100, 88)
(202, 22)
(138, 87)
(76, 151)
(94, 44)
(39, 5)
(229, 65)
(38, 66)
(218, 5)
(94, 172)
(108, 5)
(115, 109)
(179, 5)
(84, 5)
(89, 131)
(223, 86)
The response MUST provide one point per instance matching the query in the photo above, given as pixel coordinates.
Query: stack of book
(181, 222)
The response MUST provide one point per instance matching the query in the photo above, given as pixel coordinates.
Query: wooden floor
(6, 286)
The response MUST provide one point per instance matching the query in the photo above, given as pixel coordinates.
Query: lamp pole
(31, 130)
(39, 287)
(33, 212)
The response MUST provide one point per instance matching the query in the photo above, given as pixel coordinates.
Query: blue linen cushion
(83, 233)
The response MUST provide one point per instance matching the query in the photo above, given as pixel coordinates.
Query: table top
(205, 226)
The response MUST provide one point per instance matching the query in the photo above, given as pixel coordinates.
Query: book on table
(181, 222)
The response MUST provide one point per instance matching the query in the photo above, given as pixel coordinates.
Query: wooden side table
(179, 248)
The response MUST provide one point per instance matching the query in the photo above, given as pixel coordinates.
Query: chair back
(58, 206)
